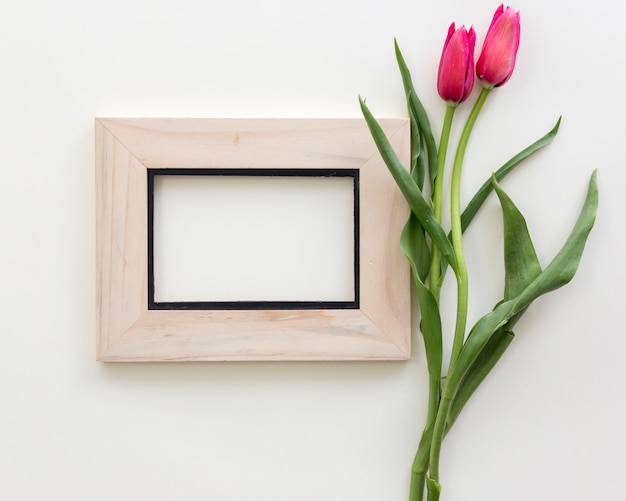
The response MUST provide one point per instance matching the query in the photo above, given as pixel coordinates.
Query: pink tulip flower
(497, 58)
(455, 80)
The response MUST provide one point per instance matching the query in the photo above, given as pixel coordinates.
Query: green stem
(435, 263)
(434, 395)
(459, 333)
(420, 464)
(457, 230)
(438, 433)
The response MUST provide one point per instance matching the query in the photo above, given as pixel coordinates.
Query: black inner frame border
(252, 305)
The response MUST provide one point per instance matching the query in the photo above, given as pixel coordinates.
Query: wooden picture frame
(375, 327)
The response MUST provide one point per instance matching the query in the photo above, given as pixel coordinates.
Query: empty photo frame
(249, 239)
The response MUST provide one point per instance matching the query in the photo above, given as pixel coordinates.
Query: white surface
(251, 238)
(549, 422)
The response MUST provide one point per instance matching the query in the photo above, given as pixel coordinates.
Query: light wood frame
(128, 331)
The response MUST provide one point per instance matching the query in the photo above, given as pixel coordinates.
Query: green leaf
(483, 192)
(521, 268)
(520, 259)
(413, 244)
(417, 110)
(563, 267)
(478, 371)
(434, 489)
(409, 188)
(558, 273)
(418, 170)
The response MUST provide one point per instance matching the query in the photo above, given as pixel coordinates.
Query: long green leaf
(417, 110)
(478, 371)
(414, 246)
(418, 170)
(409, 188)
(521, 268)
(483, 192)
(559, 272)
(520, 259)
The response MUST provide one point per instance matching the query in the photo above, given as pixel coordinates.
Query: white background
(253, 238)
(549, 422)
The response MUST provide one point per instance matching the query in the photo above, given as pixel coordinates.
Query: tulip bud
(455, 80)
(497, 58)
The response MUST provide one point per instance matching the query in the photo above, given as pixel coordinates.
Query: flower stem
(435, 263)
(457, 231)
(459, 333)
(420, 464)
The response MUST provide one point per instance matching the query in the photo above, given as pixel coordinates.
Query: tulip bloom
(497, 59)
(455, 80)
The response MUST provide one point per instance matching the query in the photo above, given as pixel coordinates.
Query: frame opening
(253, 239)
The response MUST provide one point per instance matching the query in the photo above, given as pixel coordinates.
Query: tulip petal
(455, 78)
(497, 58)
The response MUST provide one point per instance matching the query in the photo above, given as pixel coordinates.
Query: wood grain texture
(128, 331)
